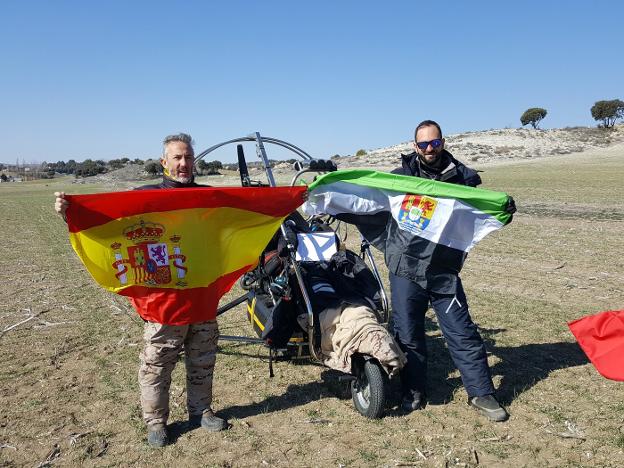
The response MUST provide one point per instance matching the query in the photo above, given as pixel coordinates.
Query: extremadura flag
(435, 223)
(175, 252)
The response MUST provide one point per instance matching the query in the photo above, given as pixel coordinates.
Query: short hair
(427, 123)
(183, 137)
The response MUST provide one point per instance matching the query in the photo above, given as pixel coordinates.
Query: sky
(110, 79)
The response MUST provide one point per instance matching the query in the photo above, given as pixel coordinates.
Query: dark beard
(434, 168)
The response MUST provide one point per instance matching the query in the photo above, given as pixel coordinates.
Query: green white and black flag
(435, 222)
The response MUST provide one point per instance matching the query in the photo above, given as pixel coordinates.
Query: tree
(533, 116)
(209, 168)
(46, 170)
(116, 163)
(608, 112)
(361, 152)
(202, 166)
(152, 167)
(89, 168)
(70, 167)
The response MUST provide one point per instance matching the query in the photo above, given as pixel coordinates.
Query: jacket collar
(413, 165)
(170, 183)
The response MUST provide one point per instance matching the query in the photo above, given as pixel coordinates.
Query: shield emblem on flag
(158, 263)
(416, 212)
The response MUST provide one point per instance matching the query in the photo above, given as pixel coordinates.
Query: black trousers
(409, 304)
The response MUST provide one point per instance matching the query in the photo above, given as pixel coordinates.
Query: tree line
(90, 167)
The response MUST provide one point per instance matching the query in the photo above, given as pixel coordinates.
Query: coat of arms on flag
(150, 260)
(416, 212)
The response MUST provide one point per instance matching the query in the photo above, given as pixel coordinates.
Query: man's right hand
(61, 204)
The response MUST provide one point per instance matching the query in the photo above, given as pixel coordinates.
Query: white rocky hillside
(494, 145)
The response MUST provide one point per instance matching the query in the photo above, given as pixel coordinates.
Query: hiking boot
(413, 400)
(157, 435)
(209, 421)
(489, 407)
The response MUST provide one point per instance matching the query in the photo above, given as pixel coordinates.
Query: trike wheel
(368, 389)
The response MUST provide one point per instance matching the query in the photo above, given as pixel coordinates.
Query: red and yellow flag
(175, 252)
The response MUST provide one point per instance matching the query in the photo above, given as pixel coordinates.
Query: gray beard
(184, 180)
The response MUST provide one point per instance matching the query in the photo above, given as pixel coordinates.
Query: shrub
(361, 152)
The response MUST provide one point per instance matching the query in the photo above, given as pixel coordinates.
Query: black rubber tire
(368, 390)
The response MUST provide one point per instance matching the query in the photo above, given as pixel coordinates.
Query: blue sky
(110, 79)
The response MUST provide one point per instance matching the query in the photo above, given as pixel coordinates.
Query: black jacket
(452, 171)
(169, 183)
(407, 255)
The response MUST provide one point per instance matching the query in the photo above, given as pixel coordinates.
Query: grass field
(68, 385)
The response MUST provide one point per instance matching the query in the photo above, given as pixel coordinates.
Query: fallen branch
(7, 446)
(566, 435)
(103, 448)
(73, 438)
(45, 323)
(18, 324)
(317, 421)
(23, 321)
(572, 432)
(50, 457)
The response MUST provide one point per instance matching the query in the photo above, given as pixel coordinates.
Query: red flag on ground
(601, 336)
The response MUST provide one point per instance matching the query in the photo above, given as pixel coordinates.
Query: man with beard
(415, 284)
(163, 343)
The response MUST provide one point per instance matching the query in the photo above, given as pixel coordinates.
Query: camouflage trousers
(163, 344)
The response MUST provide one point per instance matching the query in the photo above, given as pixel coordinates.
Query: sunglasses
(434, 144)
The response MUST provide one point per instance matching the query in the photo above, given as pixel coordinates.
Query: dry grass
(68, 381)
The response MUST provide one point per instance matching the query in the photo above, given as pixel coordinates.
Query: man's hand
(61, 204)
(511, 206)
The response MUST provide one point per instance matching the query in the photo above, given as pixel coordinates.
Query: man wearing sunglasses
(439, 286)
(431, 161)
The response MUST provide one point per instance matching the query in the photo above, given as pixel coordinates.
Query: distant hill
(505, 144)
(475, 148)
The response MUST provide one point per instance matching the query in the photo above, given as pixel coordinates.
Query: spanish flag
(175, 252)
